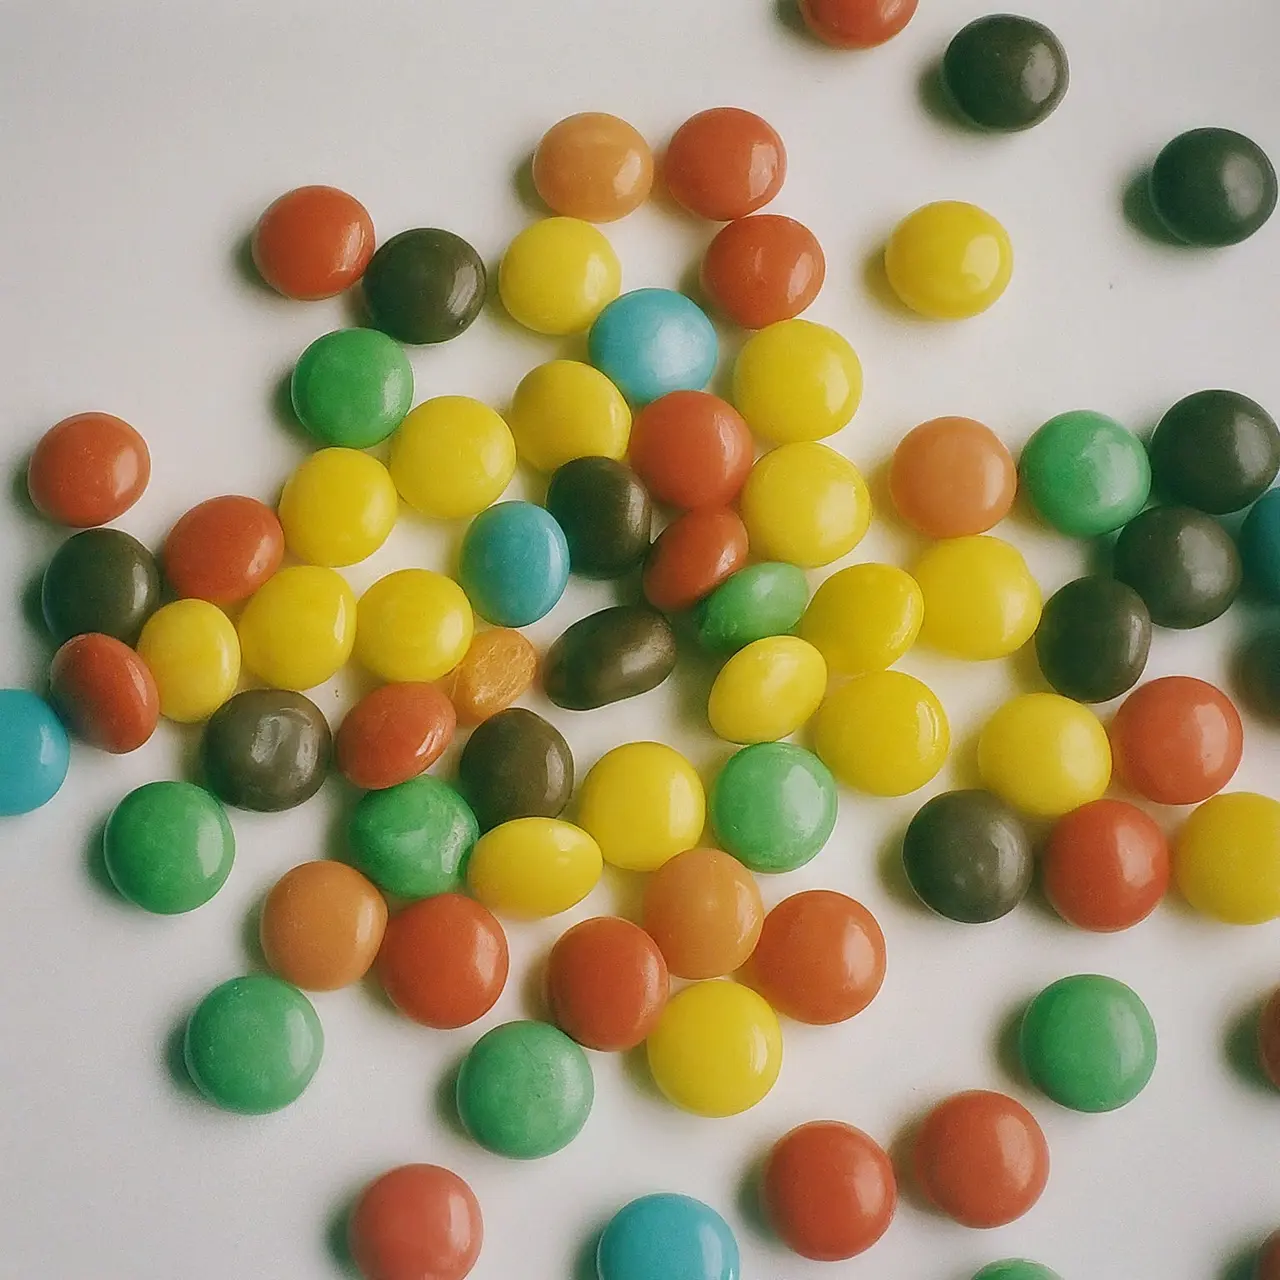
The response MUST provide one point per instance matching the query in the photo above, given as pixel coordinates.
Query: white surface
(139, 144)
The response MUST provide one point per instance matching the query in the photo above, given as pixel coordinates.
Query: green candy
(413, 840)
(1016, 1269)
(1089, 1043)
(253, 1044)
(525, 1090)
(352, 387)
(168, 847)
(761, 600)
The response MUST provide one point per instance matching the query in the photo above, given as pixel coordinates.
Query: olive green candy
(515, 765)
(424, 285)
(1005, 72)
(100, 580)
(605, 513)
(758, 601)
(1093, 639)
(608, 656)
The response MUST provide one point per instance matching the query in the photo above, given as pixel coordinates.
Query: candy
(557, 275)
(797, 380)
(513, 565)
(338, 507)
(864, 618)
(168, 847)
(717, 1049)
(643, 803)
(1226, 858)
(299, 628)
(525, 1090)
(253, 1044)
(352, 387)
(856, 24)
(36, 752)
(1260, 546)
(223, 550)
(1268, 1042)
(605, 515)
(104, 692)
(763, 269)
(593, 166)
(608, 656)
(564, 410)
(88, 469)
(498, 667)
(529, 868)
(392, 734)
(515, 765)
(758, 601)
(312, 242)
(662, 1237)
(193, 652)
(1093, 639)
(691, 449)
(1004, 72)
(1268, 1260)
(444, 961)
(767, 690)
(424, 286)
(266, 749)
(692, 556)
(724, 163)
(413, 625)
(322, 925)
(1016, 1269)
(101, 581)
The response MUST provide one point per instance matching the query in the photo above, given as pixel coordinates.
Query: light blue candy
(514, 563)
(1260, 545)
(653, 341)
(34, 752)
(667, 1237)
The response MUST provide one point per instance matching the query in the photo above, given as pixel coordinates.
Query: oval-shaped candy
(498, 667)
(864, 618)
(413, 625)
(767, 690)
(1226, 858)
(338, 507)
(104, 692)
(37, 752)
(101, 581)
(604, 513)
(424, 286)
(856, 24)
(692, 556)
(1017, 1269)
(593, 166)
(514, 563)
(223, 549)
(724, 163)
(608, 656)
(564, 410)
(1093, 639)
(312, 242)
(392, 734)
(1005, 72)
(557, 275)
(691, 449)
(88, 469)
(352, 387)
(659, 1237)
(758, 601)
(515, 765)
(193, 652)
(299, 628)
(763, 269)
(533, 867)
(1268, 1044)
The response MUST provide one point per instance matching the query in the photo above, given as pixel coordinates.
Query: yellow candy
(644, 803)
(884, 732)
(980, 600)
(413, 625)
(557, 275)
(298, 628)
(767, 690)
(1044, 754)
(797, 380)
(1226, 858)
(565, 410)
(717, 1048)
(949, 260)
(805, 504)
(533, 867)
(864, 618)
(338, 507)
(193, 652)
(452, 457)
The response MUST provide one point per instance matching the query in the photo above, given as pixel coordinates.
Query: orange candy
(691, 449)
(593, 166)
(763, 269)
(692, 556)
(499, 666)
(88, 469)
(393, 734)
(313, 242)
(223, 550)
(857, 24)
(724, 163)
(104, 693)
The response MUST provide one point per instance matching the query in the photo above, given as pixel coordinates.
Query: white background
(139, 142)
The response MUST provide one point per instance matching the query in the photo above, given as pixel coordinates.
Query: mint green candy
(761, 600)
(352, 387)
(1016, 1269)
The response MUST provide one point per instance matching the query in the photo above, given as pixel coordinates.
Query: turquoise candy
(758, 601)
(1260, 546)
(514, 563)
(352, 387)
(653, 341)
(34, 752)
(667, 1237)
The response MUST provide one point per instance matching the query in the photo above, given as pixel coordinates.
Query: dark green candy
(515, 765)
(758, 601)
(1005, 72)
(100, 580)
(605, 513)
(608, 656)
(424, 285)
(1093, 639)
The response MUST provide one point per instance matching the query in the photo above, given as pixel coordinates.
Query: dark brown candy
(605, 513)
(515, 765)
(103, 581)
(607, 656)
(424, 285)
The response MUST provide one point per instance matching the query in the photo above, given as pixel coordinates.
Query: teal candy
(352, 387)
(758, 601)
(667, 1237)
(1016, 1269)
(514, 563)
(34, 752)
(1260, 546)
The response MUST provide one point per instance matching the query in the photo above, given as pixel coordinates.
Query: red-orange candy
(223, 550)
(724, 163)
(500, 665)
(1268, 1263)
(393, 734)
(104, 693)
(857, 24)
(313, 242)
(691, 449)
(692, 556)
(762, 269)
(606, 983)
(1269, 1045)
(593, 166)
(88, 469)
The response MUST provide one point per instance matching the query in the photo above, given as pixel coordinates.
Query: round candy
(604, 513)
(557, 275)
(193, 652)
(981, 1158)
(88, 469)
(767, 690)
(1005, 72)
(104, 692)
(444, 961)
(806, 504)
(758, 601)
(796, 380)
(703, 909)
(1213, 187)
(299, 628)
(692, 556)
(1016, 1269)
(691, 449)
(36, 752)
(651, 342)
(322, 925)
(1226, 858)
(643, 803)
(498, 667)
(608, 656)
(394, 733)
(417, 1222)
(413, 624)
(1088, 1042)
(667, 1237)
(338, 507)
(820, 958)
(564, 410)
(1093, 639)
(529, 868)
(525, 1090)
(1044, 754)
(864, 618)
(424, 285)
(763, 269)
(949, 260)
(724, 163)
(515, 765)
(1260, 546)
(856, 24)
(968, 856)
(773, 805)
(606, 983)
(513, 565)
(266, 749)
(312, 242)
(168, 847)
(1105, 866)
(101, 581)
(884, 732)
(223, 550)
(593, 166)
(352, 387)
(952, 477)
(829, 1190)
(1183, 564)
(253, 1044)
(1269, 1059)
(717, 1049)
(412, 840)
